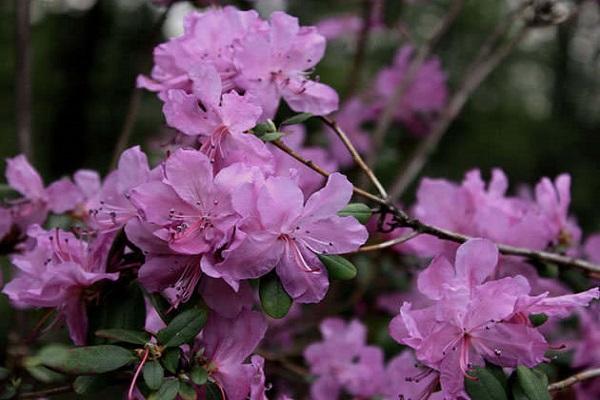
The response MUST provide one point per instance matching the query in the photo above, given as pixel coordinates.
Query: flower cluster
(474, 319)
(225, 220)
(266, 60)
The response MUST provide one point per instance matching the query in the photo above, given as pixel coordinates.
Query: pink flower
(179, 276)
(405, 378)
(59, 197)
(226, 343)
(280, 231)
(273, 64)
(219, 120)
(191, 213)
(473, 320)
(592, 248)
(208, 37)
(57, 272)
(109, 207)
(425, 97)
(343, 361)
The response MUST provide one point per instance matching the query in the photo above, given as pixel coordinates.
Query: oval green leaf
(297, 119)
(168, 390)
(533, 384)
(274, 299)
(170, 359)
(338, 267)
(153, 374)
(124, 335)
(486, 386)
(85, 360)
(198, 375)
(360, 211)
(183, 328)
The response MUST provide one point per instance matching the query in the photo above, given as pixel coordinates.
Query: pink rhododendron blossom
(208, 37)
(587, 350)
(269, 60)
(38, 200)
(475, 319)
(191, 213)
(57, 272)
(485, 210)
(344, 362)
(273, 64)
(405, 378)
(219, 121)
(225, 345)
(110, 207)
(279, 230)
(424, 98)
(592, 248)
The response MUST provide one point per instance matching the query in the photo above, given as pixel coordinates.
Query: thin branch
(508, 250)
(423, 53)
(23, 77)
(136, 94)
(581, 376)
(361, 48)
(310, 164)
(47, 392)
(470, 83)
(389, 243)
(355, 155)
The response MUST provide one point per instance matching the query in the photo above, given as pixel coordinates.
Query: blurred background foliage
(537, 115)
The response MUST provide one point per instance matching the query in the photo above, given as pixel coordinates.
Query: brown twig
(47, 392)
(403, 220)
(389, 243)
(581, 376)
(361, 48)
(470, 83)
(287, 364)
(387, 116)
(136, 95)
(23, 77)
(355, 155)
(310, 164)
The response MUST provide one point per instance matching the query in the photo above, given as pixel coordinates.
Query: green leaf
(198, 375)
(297, 119)
(338, 267)
(271, 136)
(187, 391)
(360, 211)
(45, 375)
(168, 390)
(533, 384)
(485, 387)
(538, 319)
(85, 360)
(170, 359)
(124, 335)
(273, 298)
(9, 391)
(4, 373)
(86, 385)
(153, 374)
(183, 328)
(266, 127)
